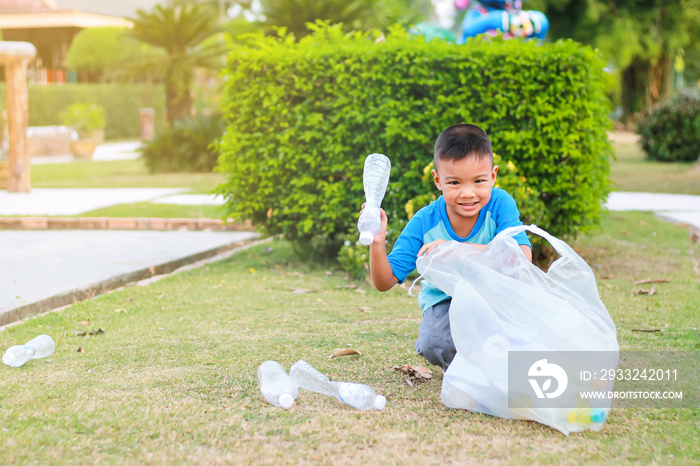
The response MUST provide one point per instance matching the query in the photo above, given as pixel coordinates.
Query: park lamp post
(15, 56)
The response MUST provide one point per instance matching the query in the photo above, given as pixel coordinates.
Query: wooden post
(15, 56)
(17, 122)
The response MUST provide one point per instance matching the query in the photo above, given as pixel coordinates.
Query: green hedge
(121, 103)
(670, 131)
(303, 115)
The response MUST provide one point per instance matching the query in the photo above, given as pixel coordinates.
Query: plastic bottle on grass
(357, 395)
(375, 178)
(39, 347)
(276, 386)
(586, 416)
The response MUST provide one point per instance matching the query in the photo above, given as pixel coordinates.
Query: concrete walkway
(75, 201)
(46, 269)
(679, 208)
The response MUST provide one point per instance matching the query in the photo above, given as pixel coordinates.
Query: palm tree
(184, 33)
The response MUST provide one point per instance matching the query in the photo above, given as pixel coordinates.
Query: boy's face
(466, 187)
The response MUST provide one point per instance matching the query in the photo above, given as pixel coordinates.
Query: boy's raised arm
(379, 266)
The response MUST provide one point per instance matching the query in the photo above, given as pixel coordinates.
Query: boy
(470, 210)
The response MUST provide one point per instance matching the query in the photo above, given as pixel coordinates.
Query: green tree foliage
(94, 50)
(354, 14)
(640, 37)
(303, 115)
(187, 36)
(105, 52)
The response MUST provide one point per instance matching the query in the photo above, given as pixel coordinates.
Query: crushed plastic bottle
(375, 178)
(357, 395)
(276, 386)
(39, 347)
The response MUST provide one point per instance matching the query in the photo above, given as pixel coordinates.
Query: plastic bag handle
(565, 251)
(560, 246)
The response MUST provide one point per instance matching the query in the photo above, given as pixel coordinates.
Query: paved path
(75, 201)
(43, 270)
(681, 208)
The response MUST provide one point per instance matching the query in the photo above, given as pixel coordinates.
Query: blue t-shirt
(431, 223)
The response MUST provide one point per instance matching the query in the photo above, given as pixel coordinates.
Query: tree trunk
(660, 82)
(178, 100)
(643, 85)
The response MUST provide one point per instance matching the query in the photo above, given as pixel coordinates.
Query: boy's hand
(433, 244)
(379, 238)
(430, 246)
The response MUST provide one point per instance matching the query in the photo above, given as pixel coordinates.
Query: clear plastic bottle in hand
(375, 178)
(357, 395)
(276, 385)
(39, 347)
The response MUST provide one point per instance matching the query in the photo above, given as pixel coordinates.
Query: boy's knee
(435, 342)
(437, 351)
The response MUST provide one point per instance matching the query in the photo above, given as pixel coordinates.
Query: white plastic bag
(501, 302)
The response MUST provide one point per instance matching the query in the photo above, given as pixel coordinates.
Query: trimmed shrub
(121, 103)
(670, 132)
(302, 116)
(188, 146)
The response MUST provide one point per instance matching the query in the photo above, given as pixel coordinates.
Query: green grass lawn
(151, 210)
(633, 172)
(173, 377)
(118, 174)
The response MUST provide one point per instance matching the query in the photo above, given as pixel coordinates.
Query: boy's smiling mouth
(468, 205)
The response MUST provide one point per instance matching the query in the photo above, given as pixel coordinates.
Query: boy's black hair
(460, 141)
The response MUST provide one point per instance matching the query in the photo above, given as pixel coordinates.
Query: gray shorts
(435, 342)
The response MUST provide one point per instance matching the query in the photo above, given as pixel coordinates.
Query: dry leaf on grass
(650, 280)
(84, 322)
(80, 350)
(79, 333)
(650, 292)
(299, 290)
(120, 310)
(415, 372)
(361, 291)
(646, 330)
(364, 309)
(343, 352)
(350, 286)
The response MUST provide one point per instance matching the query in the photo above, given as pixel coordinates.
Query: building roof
(116, 8)
(23, 6)
(24, 14)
